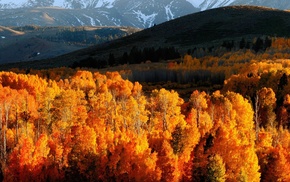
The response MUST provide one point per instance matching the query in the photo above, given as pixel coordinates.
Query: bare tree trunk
(17, 124)
(197, 117)
(164, 117)
(7, 109)
(257, 106)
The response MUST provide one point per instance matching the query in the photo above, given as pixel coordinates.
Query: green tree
(216, 170)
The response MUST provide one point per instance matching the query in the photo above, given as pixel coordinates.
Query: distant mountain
(195, 31)
(137, 13)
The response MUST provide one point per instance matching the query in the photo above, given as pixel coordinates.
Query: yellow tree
(234, 141)
(69, 109)
(198, 104)
(169, 133)
(84, 81)
(45, 101)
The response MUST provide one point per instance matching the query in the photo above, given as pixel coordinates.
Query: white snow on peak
(206, 4)
(195, 3)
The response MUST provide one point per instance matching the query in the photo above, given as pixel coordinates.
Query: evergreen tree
(258, 45)
(216, 170)
(112, 59)
(242, 43)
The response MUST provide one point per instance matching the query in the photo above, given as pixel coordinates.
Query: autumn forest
(68, 124)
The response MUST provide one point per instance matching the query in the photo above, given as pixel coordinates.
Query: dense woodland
(77, 125)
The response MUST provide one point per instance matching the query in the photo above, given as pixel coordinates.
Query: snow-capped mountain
(138, 13)
(200, 4)
(150, 12)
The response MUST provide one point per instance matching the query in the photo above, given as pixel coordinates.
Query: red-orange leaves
(94, 127)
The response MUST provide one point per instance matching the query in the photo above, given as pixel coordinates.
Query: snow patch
(93, 23)
(136, 5)
(207, 4)
(146, 19)
(222, 3)
(82, 23)
(168, 11)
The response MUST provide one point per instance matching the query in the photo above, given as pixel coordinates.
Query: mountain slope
(61, 17)
(203, 29)
(34, 43)
(137, 13)
(150, 12)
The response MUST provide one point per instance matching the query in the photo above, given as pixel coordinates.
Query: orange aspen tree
(234, 141)
(168, 133)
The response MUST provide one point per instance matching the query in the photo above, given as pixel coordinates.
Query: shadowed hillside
(34, 42)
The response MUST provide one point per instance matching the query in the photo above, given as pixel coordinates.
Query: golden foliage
(94, 127)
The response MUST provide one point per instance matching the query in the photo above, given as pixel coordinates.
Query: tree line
(135, 56)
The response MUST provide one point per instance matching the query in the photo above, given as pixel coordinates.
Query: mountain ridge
(137, 13)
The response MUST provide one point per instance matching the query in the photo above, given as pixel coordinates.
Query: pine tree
(216, 170)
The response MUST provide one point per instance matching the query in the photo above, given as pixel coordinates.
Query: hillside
(34, 42)
(203, 29)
